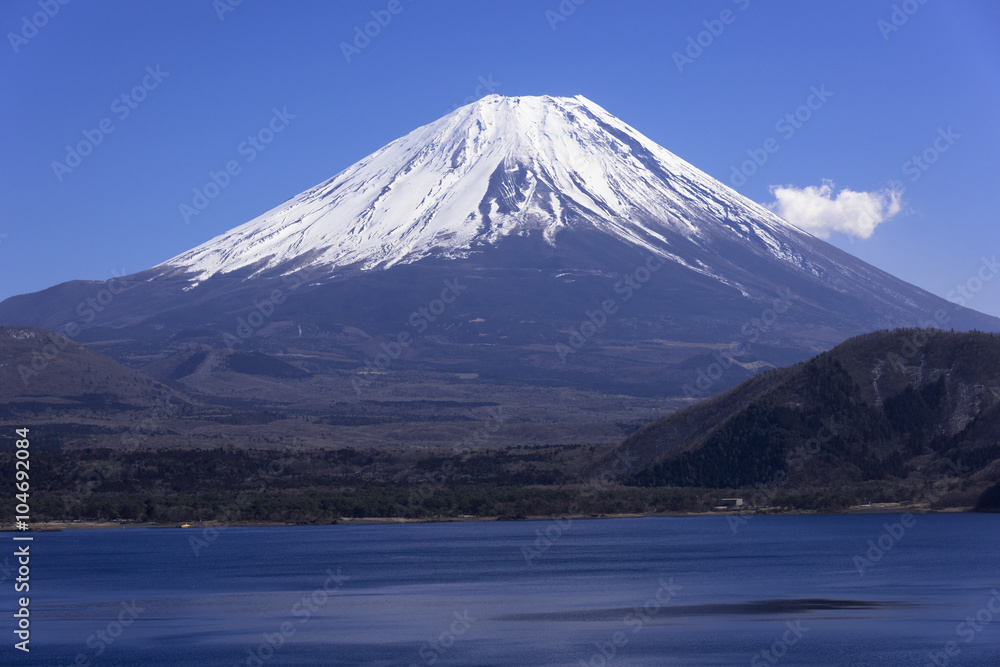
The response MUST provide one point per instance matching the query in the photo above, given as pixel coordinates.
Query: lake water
(657, 591)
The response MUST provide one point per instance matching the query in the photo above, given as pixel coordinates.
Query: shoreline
(875, 508)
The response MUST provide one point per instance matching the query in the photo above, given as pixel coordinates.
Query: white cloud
(816, 211)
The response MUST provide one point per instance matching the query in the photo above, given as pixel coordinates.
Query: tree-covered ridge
(882, 406)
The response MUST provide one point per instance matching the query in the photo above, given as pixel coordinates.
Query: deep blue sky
(118, 210)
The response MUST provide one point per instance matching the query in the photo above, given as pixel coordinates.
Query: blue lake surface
(656, 591)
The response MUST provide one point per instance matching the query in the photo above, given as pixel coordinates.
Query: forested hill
(883, 414)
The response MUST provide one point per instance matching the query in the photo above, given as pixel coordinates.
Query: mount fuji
(533, 252)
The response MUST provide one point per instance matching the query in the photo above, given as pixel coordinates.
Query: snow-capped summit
(499, 167)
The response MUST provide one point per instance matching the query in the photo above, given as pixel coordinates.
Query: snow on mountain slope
(498, 167)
